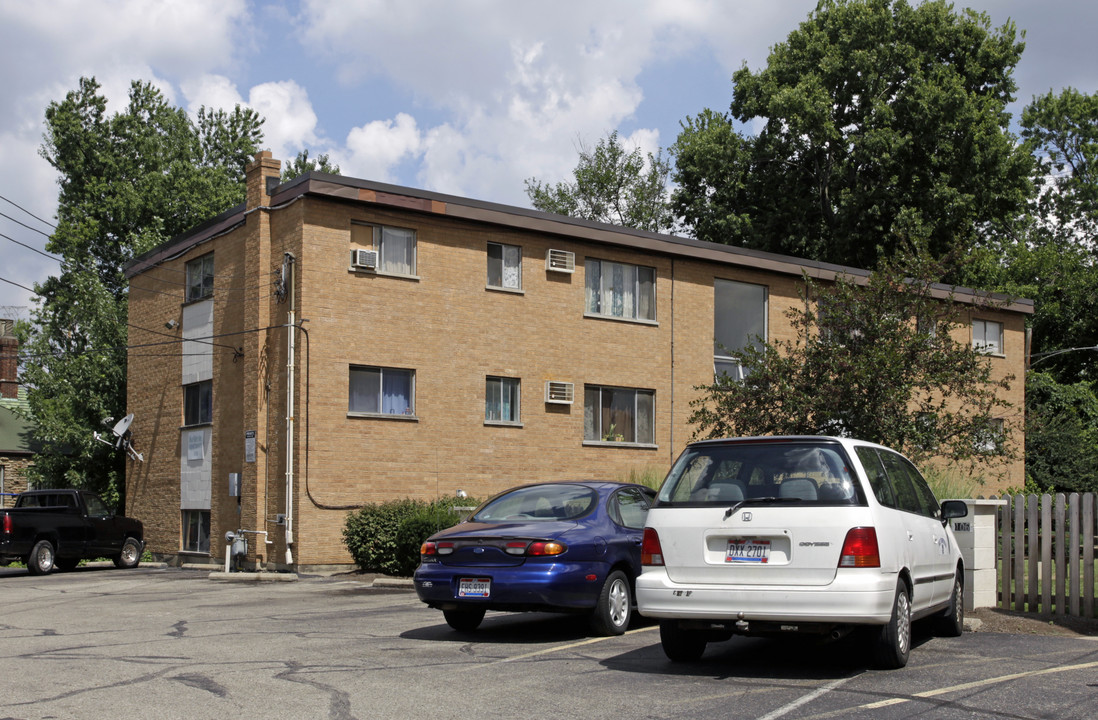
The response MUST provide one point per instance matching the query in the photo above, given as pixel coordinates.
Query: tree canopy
(611, 185)
(876, 361)
(303, 164)
(877, 121)
(128, 182)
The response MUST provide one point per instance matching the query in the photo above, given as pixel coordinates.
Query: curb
(393, 583)
(236, 577)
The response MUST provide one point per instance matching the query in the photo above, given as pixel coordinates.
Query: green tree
(878, 121)
(302, 164)
(1061, 435)
(127, 183)
(876, 361)
(612, 185)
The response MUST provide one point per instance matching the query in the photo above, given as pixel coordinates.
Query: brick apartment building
(446, 344)
(17, 448)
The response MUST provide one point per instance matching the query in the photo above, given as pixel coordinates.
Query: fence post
(1031, 552)
(1003, 513)
(1088, 555)
(1061, 575)
(976, 534)
(1046, 553)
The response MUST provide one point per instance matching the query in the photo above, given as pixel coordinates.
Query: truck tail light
(7, 524)
(651, 551)
(860, 548)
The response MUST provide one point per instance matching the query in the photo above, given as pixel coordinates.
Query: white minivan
(780, 535)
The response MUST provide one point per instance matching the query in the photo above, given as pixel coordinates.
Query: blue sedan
(557, 547)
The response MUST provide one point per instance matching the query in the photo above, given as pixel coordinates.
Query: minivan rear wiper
(768, 498)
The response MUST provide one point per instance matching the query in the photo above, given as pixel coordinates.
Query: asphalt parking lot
(171, 643)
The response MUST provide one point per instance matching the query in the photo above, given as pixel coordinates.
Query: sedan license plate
(474, 587)
(747, 550)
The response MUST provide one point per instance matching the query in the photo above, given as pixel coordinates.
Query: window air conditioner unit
(559, 393)
(364, 259)
(560, 261)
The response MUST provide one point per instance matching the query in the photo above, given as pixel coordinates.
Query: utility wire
(17, 222)
(29, 247)
(9, 282)
(12, 202)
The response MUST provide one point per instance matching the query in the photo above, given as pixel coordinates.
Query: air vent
(560, 261)
(559, 393)
(364, 259)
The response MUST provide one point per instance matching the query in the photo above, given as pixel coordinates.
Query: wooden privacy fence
(1046, 553)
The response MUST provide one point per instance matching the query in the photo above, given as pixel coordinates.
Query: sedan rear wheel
(464, 619)
(679, 644)
(615, 606)
(892, 644)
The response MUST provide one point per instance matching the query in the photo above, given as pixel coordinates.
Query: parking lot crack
(339, 702)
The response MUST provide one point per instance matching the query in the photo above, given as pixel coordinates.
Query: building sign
(249, 446)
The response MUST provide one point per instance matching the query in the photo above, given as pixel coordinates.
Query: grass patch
(649, 476)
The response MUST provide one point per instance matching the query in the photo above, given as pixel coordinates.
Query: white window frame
(408, 413)
(992, 444)
(495, 385)
(504, 249)
(980, 342)
(719, 358)
(593, 431)
(596, 291)
(378, 236)
(200, 278)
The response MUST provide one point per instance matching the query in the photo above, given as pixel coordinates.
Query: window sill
(381, 273)
(195, 301)
(384, 416)
(196, 426)
(607, 443)
(501, 423)
(511, 291)
(632, 321)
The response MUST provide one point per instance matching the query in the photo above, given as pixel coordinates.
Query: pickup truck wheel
(66, 564)
(130, 556)
(41, 558)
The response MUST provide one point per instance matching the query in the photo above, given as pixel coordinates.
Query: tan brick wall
(15, 475)
(453, 332)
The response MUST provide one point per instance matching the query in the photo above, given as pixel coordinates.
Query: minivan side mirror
(953, 509)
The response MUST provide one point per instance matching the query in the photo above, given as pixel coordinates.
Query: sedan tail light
(651, 551)
(860, 548)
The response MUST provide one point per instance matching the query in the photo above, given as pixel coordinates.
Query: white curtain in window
(365, 390)
(398, 249)
(592, 282)
(512, 265)
(396, 395)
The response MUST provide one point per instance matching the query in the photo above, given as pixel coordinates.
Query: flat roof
(350, 189)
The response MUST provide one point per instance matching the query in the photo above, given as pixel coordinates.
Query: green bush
(386, 537)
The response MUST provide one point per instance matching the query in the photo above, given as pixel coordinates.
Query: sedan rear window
(774, 472)
(539, 502)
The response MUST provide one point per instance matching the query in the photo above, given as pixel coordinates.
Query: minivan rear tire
(892, 642)
(680, 644)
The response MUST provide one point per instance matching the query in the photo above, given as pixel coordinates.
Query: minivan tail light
(860, 548)
(651, 551)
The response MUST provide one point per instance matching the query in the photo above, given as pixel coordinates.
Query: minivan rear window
(793, 473)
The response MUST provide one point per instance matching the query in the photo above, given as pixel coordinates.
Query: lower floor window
(612, 414)
(196, 531)
(384, 391)
(501, 400)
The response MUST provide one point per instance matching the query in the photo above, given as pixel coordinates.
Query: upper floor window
(620, 415)
(198, 403)
(200, 277)
(620, 290)
(501, 400)
(504, 266)
(381, 391)
(739, 320)
(987, 337)
(396, 247)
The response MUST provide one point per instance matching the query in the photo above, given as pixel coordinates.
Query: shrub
(385, 537)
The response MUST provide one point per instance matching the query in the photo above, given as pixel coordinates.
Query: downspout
(288, 276)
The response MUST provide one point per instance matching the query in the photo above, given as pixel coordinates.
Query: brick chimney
(262, 176)
(9, 361)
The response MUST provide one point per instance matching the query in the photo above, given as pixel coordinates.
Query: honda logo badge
(746, 517)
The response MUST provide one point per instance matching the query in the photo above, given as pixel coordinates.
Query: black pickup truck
(59, 528)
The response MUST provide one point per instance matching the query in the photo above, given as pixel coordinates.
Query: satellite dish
(122, 436)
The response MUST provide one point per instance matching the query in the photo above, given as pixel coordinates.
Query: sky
(467, 97)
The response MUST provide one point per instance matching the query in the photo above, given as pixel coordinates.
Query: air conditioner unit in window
(559, 393)
(364, 259)
(560, 261)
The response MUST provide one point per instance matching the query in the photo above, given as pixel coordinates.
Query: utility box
(975, 535)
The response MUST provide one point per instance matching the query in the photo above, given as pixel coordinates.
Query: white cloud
(374, 149)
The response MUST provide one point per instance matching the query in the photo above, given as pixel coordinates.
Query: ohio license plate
(747, 550)
(474, 587)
